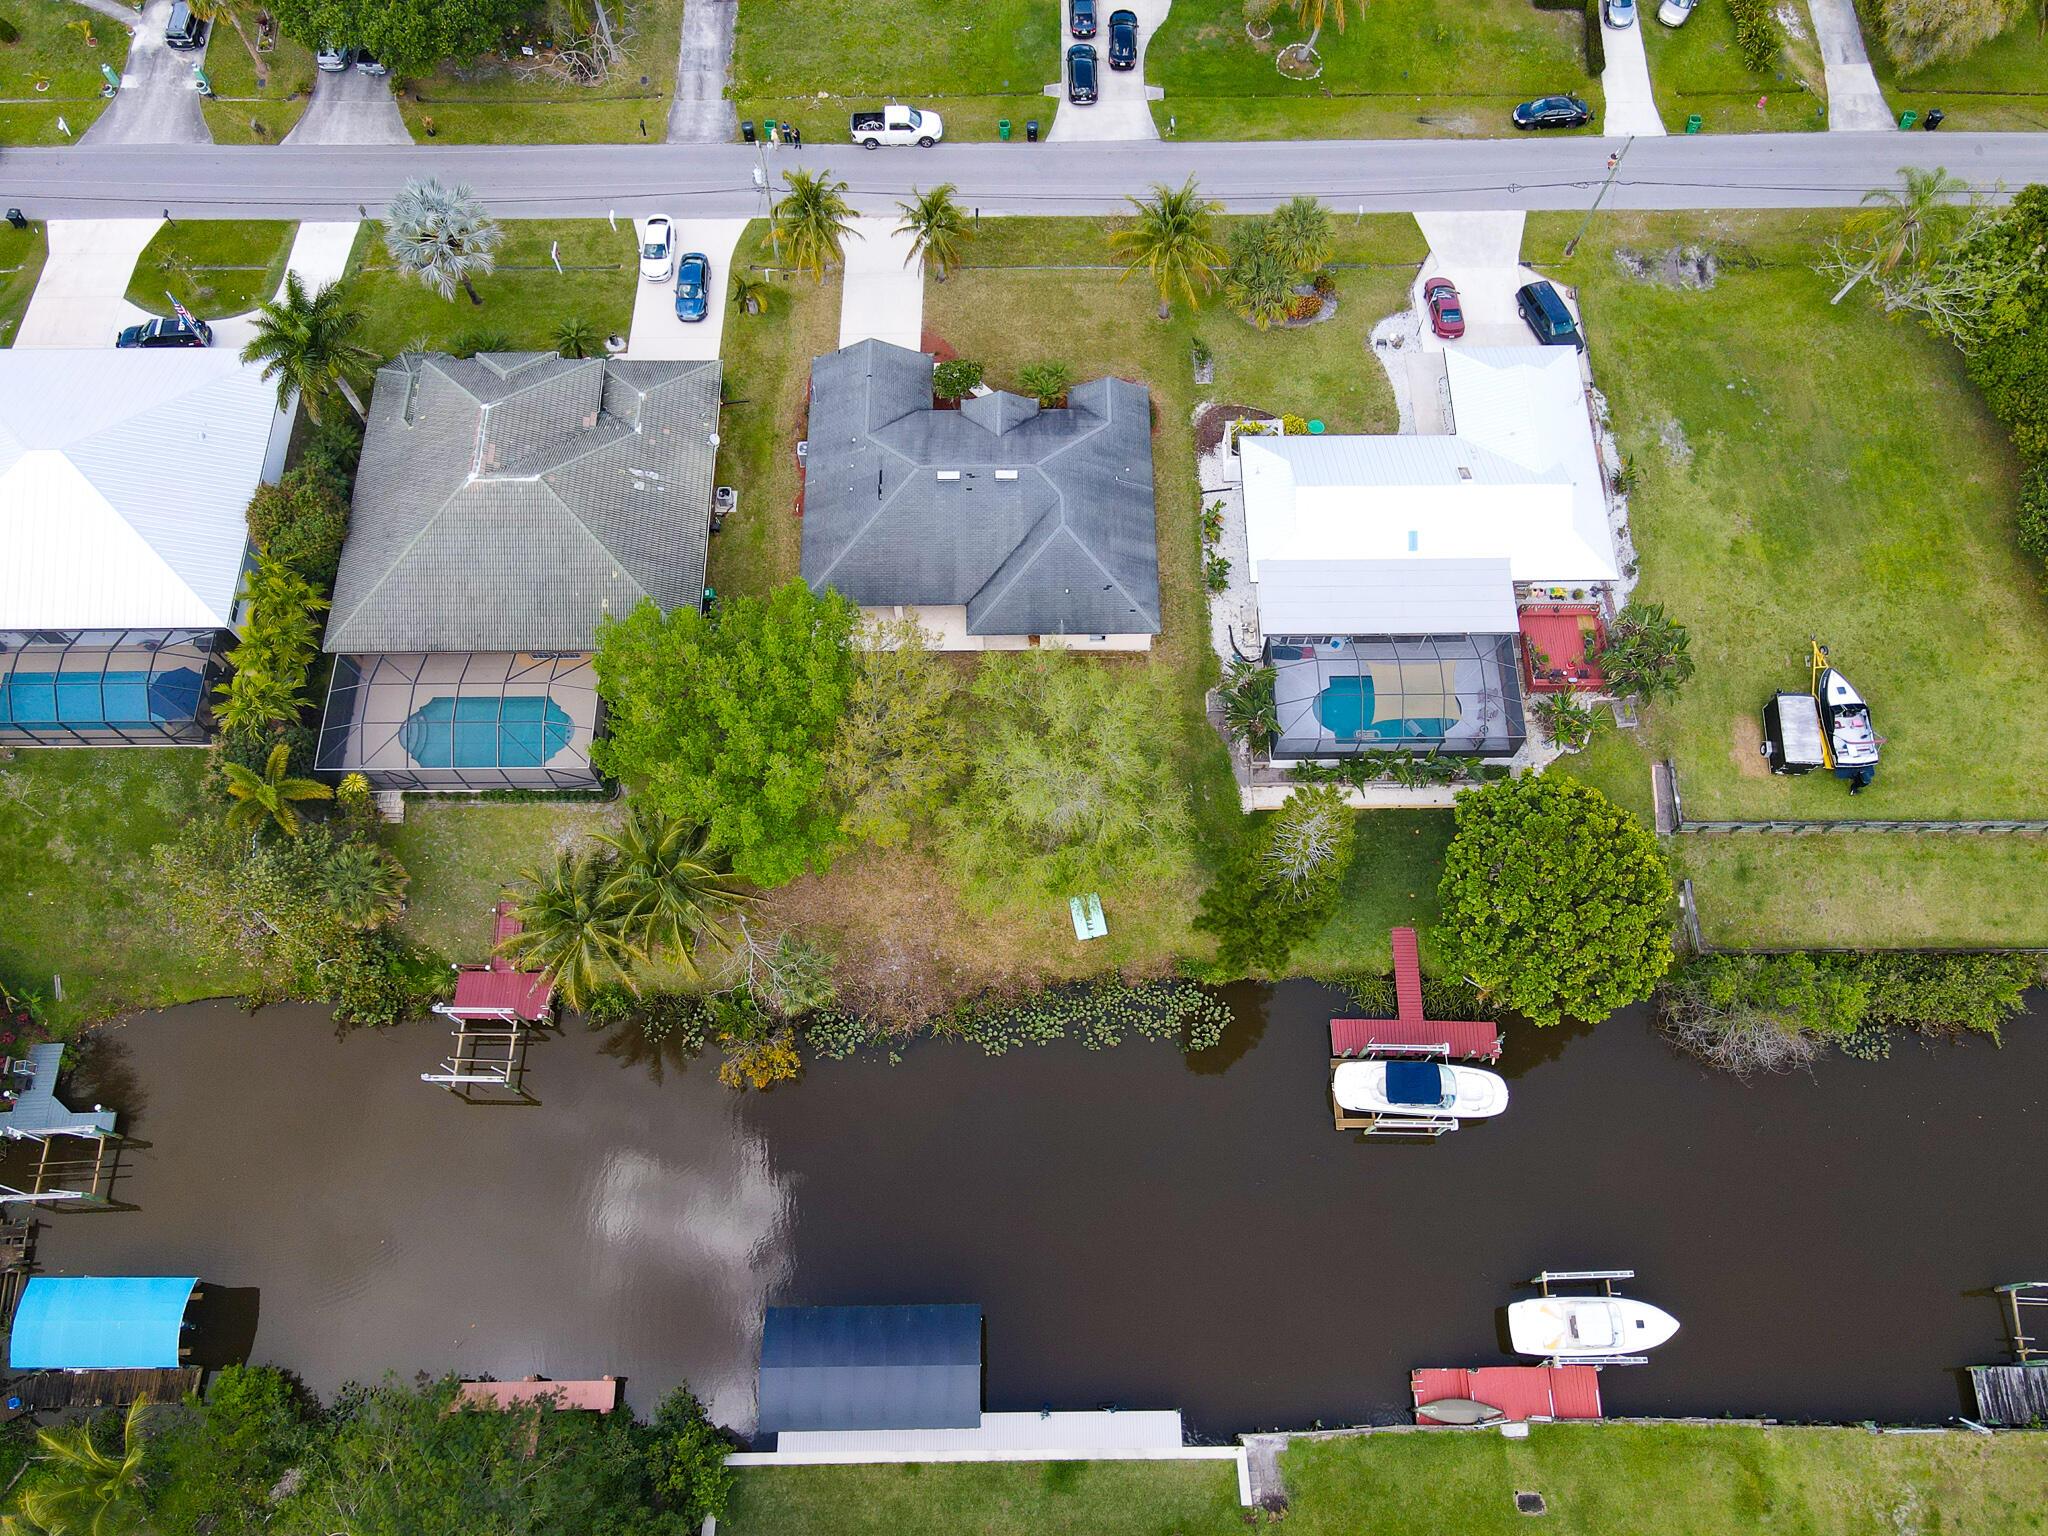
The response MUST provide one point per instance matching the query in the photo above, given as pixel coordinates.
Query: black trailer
(1792, 737)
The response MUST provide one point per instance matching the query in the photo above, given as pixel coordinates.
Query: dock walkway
(1412, 1029)
(1520, 1392)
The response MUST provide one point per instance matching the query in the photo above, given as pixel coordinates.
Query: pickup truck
(895, 124)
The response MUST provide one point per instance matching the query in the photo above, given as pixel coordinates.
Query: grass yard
(1391, 883)
(243, 112)
(524, 300)
(216, 267)
(2001, 88)
(974, 65)
(76, 827)
(1401, 69)
(463, 854)
(1695, 68)
(22, 254)
(50, 72)
(495, 100)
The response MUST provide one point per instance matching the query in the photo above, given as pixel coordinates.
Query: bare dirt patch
(1745, 747)
(1692, 267)
(1676, 445)
(1214, 419)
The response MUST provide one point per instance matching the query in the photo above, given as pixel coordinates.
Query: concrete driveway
(319, 255)
(1481, 253)
(1122, 108)
(700, 113)
(883, 295)
(1631, 107)
(657, 333)
(1855, 103)
(80, 300)
(158, 102)
(350, 107)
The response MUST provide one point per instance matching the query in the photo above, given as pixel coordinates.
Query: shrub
(955, 378)
(10, 34)
(2033, 516)
(331, 451)
(352, 798)
(1048, 383)
(1647, 655)
(301, 522)
(481, 339)
(1566, 718)
(1249, 711)
(1939, 993)
(1216, 573)
(1280, 884)
(280, 638)
(1324, 282)
(1760, 1013)
(1292, 425)
(1759, 36)
(1304, 306)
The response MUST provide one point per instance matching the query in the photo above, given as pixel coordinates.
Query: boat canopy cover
(1415, 1082)
(90, 1323)
(827, 1368)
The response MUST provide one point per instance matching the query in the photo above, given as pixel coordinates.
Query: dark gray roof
(915, 1367)
(509, 501)
(1063, 543)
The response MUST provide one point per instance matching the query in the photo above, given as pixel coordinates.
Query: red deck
(600, 1396)
(1471, 1039)
(496, 990)
(1568, 637)
(1522, 1392)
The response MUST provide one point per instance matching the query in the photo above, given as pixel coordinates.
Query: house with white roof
(124, 481)
(1386, 569)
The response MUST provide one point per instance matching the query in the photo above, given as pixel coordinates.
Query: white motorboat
(1421, 1088)
(1850, 743)
(1585, 1327)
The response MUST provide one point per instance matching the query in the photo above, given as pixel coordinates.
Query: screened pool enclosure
(101, 688)
(462, 721)
(1340, 695)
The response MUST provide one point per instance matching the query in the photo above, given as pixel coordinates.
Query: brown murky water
(1138, 1232)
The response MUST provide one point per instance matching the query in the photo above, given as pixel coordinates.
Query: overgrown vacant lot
(52, 53)
(215, 266)
(976, 64)
(1402, 68)
(2002, 87)
(1696, 68)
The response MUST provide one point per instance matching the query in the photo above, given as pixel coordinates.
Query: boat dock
(58, 1391)
(1412, 1029)
(1520, 1392)
(2016, 1396)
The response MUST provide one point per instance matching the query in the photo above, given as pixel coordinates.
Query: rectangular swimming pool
(98, 700)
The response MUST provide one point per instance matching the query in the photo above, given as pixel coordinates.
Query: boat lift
(487, 1065)
(1413, 1124)
(1606, 1279)
(83, 1181)
(2020, 1295)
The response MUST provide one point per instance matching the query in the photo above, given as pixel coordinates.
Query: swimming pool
(99, 700)
(486, 732)
(1345, 708)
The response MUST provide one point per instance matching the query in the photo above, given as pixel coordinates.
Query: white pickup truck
(896, 124)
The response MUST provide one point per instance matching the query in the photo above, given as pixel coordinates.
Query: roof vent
(949, 474)
(1464, 472)
(1006, 474)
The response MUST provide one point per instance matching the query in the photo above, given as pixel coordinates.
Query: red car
(1446, 315)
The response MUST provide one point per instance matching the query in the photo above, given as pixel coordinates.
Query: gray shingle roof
(1047, 529)
(507, 502)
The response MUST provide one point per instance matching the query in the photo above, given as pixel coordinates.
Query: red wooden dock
(1471, 1039)
(1522, 1392)
(497, 991)
(600, 1396)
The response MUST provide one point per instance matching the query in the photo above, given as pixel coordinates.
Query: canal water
(1139, 1229)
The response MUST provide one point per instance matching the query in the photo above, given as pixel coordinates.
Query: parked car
(1123, 39)
(897, 124)
(658, 249)
(693, 284)
(1619, 14)
(1081, 74)
(1543, 308)
(1673, 13)
(1081, 17)
(1553, 112)
(166, 333)
(184, 30)
(370, 64)
(332, 59)
(1446, 314)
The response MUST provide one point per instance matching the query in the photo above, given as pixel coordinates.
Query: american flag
(180, 310)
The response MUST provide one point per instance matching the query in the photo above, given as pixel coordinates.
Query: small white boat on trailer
(1605, 1328)
(1849, 741)
(1421, 1088)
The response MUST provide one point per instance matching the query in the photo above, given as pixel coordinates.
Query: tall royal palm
(1905, 226)
(813, 219)
(82, 1488)
(1314, 13)
(936, 227)
(442, 236)
(1170, 240)
(307, 343)
(574, 927)
(679, 895)
(268, 796)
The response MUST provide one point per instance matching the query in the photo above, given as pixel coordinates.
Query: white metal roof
(124, 476)
(1519, 481)
(1386, 597)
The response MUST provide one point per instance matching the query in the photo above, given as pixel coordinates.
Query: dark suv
(184, 30)
(1081, 74)
(1543, 308)
(166, 333)
(1123, 39)
(1081, 17)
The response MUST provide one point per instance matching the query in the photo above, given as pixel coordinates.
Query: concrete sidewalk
(883, 296)
(1855, 102)
(1123, 105)
(81, 300)
(158, 102)
(1631, 105)
(657, 333)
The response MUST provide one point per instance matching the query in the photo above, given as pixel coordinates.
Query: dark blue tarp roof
(871, 1368)
(86, 1322)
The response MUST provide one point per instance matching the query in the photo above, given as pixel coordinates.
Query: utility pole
(768, 201)
(1613, 167)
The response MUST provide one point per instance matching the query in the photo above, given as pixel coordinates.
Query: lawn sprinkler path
(1123, 105)
(82, 299)
(1631, 107)
(158, 102)
(657, 334)
(700, 112)
(884, 289)
(1855, 103)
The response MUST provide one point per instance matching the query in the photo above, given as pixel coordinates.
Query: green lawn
(463, 854)
(1695, 68)
(975, 65)
(243, 112)
(1596, 1480)
(51, 73)
(76, 827)
(215, 267)
(1391, 883)
(494, 100)
(524, 300)
(22, 253)
(2001, 88)
(1400, 69)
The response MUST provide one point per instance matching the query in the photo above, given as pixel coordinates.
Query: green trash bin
(1003, 130)
(1694, 123)
(1908, 118)
(768, 130)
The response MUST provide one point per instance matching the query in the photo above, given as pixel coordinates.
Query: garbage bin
(747, 131)
(1908, 118)
(15, 217)
(1933, 119)
(1003, 130)
(1031, 130)
(1694, 122)
(768, 129)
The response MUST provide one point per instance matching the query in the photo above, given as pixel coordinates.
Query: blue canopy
(915, 1367)
(1414, 1082)
(88, 1323)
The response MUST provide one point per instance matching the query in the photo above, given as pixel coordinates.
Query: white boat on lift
(1420, 1088)
(1603, 1328)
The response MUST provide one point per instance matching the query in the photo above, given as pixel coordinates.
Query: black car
(1543, 309)
(183, 29)
(1081, 74)
(1081, 17)
(1123, 39)
(166, 333)
(1553, 112)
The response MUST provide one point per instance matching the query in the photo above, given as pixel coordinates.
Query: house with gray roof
(505, 506)
(1002, 524)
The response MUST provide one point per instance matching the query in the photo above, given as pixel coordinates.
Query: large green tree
(1281, 883)
(900, 743)
(1169, 239)
(1918, 33)
(727, 720)
(1556, 902)
(409, 35)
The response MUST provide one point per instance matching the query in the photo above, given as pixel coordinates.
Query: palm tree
(1907, 226)
(1299, 233)
(268, 796)
(749, 294)
(935, 226)
(815, 218)
(1313, 13)
(674, 891)
(442, 236)
(363, 884)
(577, 337)
(1170, 239)
(1258, 287)
(235, 13)
(307, 343)
(84, 1489)
(575, 927)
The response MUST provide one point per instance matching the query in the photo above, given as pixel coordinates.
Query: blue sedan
(693, 282)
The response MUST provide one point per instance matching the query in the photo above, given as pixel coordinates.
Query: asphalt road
(704, 181)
